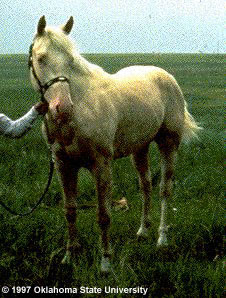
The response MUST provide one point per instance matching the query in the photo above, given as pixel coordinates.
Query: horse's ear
(41, 25)
(68, 26)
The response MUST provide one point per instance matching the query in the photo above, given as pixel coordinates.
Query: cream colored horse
(95, 117)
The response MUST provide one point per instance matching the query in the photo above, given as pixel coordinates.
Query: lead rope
(51, 170)
(42, 89)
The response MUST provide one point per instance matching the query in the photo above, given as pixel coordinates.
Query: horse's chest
(63, 135)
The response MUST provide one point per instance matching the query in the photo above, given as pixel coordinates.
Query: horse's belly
(133, 135)
(124, 145)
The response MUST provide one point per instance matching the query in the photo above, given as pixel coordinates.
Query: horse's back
(141, 72)
(151, 83)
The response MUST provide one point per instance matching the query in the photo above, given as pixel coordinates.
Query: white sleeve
(19, 127)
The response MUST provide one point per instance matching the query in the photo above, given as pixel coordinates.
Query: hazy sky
(119, 25)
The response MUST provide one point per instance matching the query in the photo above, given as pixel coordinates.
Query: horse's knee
(104, 220)
(166, 190)
(169, 174)
(166, 184)
(70, 214)
(145, 183)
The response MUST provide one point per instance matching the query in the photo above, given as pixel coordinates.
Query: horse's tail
(191, 128)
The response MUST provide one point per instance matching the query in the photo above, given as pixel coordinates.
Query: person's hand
(42, 107)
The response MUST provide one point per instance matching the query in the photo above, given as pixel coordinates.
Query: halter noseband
(45, 87)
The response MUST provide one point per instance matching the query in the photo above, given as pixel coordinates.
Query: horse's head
(50, 56)
(50, 52)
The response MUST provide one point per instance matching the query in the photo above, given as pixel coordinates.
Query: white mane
(67, 46)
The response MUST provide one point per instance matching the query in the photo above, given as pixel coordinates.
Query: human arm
(17, 128)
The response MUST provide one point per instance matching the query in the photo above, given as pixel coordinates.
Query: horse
(95, 117)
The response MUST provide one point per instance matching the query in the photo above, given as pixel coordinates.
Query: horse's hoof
(162, 241)
(67, 258)
(72, 252)
(57, 268)
(105, 266)
(142, 233)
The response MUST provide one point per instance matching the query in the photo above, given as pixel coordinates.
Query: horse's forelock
(59, 39)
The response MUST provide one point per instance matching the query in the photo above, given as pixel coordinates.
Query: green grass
(30, 247)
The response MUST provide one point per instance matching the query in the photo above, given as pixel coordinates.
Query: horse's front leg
(103, 176)
(68, 175)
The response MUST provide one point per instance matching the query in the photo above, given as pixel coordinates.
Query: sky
(119, 26)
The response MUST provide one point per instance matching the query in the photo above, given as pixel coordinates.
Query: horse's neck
(81, 66)
(83, 75)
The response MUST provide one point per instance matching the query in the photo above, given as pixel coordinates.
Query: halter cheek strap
(45, 87)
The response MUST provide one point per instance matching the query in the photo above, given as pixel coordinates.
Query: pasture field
(191, 266)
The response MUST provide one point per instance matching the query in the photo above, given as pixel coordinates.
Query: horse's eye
(42, 59)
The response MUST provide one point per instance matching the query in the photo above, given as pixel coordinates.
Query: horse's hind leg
(102, 173)
(168, 144)
(68, 178)
(142, 165)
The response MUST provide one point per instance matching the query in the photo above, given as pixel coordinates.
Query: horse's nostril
(58, 108)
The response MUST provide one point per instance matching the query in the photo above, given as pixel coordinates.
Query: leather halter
(45, 87)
